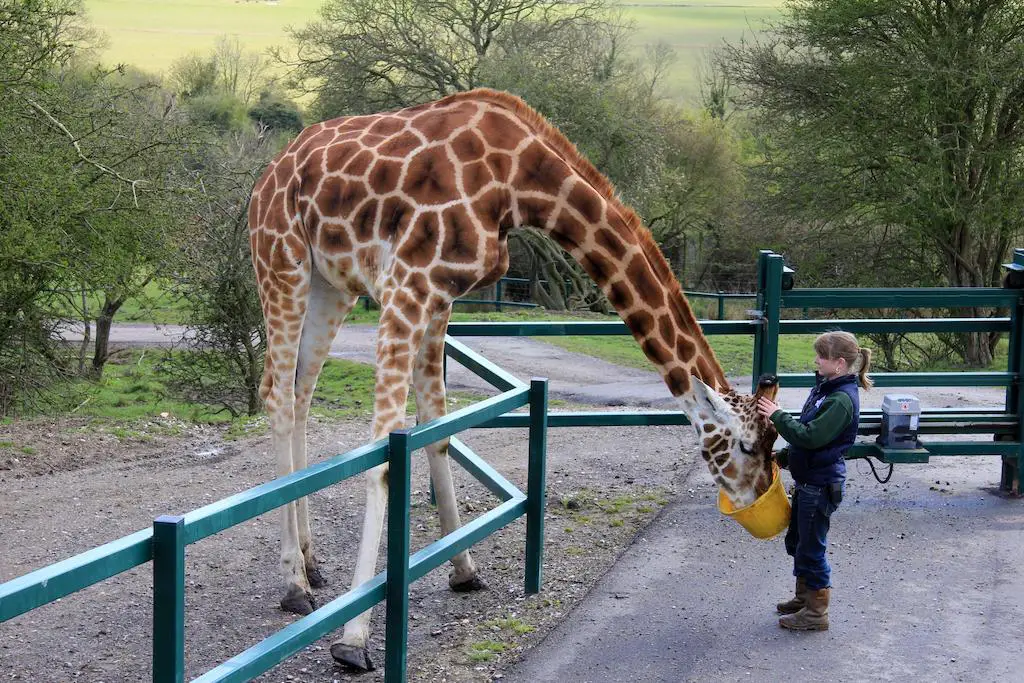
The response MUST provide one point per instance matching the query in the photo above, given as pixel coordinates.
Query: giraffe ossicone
(414, 207)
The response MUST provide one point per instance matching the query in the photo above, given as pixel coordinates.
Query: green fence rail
(165, 543)
(499, 301)
(776, 293)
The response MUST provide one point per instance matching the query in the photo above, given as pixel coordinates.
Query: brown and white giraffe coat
(413, 207)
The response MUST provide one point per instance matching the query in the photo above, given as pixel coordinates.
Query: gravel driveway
(927, 566)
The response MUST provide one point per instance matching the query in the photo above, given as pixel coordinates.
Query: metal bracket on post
(168, 599)
(788, 278)
(770, 278)
(1014, 278)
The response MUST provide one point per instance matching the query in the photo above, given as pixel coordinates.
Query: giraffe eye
(745, 449)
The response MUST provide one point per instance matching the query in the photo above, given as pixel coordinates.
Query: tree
(222, 363)
(372, 55)
(119, 240)
(220, 87)
(276, 113)
(896, 126)
(36, 195)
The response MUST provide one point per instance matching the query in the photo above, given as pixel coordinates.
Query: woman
(818, 441)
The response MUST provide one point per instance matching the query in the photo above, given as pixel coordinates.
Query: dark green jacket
(819, 438)
(833, 416)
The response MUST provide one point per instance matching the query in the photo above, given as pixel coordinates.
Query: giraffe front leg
(397, 341)
(428, 383)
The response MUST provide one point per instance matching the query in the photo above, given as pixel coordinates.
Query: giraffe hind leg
(326, 309)
(284, 274)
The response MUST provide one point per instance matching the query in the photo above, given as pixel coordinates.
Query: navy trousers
(807, 538)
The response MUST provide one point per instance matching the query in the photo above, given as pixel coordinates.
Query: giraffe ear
(709, 399)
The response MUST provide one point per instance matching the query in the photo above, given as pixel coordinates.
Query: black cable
(877, 478)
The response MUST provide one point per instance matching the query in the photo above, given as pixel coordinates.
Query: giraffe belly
(359, 274)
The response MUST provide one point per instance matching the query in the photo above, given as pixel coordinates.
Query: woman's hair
(836, 345)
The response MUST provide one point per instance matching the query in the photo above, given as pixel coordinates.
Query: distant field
(151, 34)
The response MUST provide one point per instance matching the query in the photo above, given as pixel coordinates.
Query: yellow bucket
(766, 516)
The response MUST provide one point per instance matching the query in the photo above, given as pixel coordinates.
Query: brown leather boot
(814, 615)
(796, 603)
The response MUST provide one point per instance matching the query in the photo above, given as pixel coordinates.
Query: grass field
(151, 34)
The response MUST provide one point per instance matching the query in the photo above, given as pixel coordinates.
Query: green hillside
(153, 33)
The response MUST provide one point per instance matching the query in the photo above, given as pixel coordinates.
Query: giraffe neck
(608, 240)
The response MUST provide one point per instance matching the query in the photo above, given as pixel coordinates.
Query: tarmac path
(573, 377)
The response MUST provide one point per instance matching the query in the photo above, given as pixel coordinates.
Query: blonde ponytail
(865, 363)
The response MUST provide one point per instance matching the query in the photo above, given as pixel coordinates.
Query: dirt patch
(82, 486)
(49, 446)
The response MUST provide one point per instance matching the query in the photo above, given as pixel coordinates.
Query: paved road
(928, 586)
(573, 377)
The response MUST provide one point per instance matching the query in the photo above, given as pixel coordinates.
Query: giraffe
(414, 207)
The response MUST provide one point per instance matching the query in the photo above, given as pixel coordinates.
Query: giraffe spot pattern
(500, 132)
(590, 205)
(540, 171)
(400, 145)
(535, 211)
(439, 124)
(384, 176)
(500, 165)
(475, 177)
(420, 244)
(430, 177)
(611, 243)
(467, 146)
(647, 286)
(460, 236)
(395, 216)
(621, 295)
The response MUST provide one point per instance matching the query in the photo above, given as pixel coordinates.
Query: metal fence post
(396, 637)
(536, 494)
(772, 314)
(762, 269)
(168, 599)
(1013, 465)
(497, 294)
(721, 305)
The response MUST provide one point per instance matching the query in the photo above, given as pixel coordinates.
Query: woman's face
(830, 368)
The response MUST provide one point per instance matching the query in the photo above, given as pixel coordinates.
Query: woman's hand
(765, 406)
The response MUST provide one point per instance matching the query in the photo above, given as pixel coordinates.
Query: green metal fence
(165, 543)
(504, 284)
(775, 293)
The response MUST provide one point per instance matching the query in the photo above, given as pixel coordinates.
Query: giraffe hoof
(315, 578)
(467, 585)
(297, 601)
(352, 657)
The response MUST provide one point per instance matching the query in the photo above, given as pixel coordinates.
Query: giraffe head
(735, 442)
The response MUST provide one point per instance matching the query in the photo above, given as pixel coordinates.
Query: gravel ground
(81, 487)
